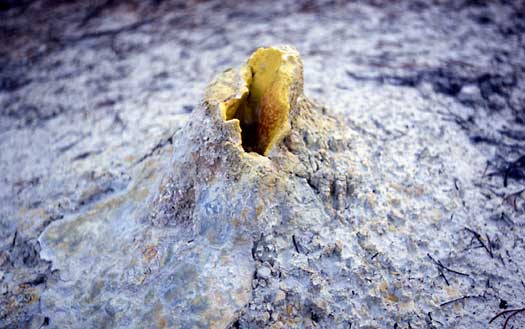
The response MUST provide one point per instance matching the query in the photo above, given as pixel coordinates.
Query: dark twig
(443, 276)
(485, 171)
(513, 313)
(480, 240)
(162, 143)
(459, 299)
(440, 270)
(295, 244)
(474, 247)
(14, 238)
(511, 198)
(502, 217)
(489, 245)
(440, 265)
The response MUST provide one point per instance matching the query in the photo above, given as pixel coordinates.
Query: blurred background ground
(90, 89)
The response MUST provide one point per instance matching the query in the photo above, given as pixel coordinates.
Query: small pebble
(264, 273)
(279, 296)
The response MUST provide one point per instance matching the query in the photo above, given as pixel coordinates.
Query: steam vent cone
(265, 214)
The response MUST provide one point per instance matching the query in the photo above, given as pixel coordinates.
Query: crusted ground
(415, 191)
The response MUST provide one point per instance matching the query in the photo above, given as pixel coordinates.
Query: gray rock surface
(398, 204)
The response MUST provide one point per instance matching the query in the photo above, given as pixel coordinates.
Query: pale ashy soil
(435, 92)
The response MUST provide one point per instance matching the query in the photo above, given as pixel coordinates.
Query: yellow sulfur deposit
(271, 77)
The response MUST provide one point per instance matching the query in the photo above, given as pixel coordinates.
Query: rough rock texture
(400, 204)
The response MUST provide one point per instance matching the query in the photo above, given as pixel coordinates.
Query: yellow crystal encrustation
(262, 104)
